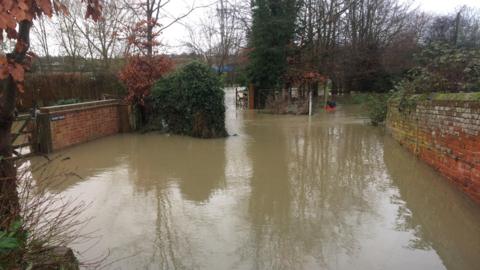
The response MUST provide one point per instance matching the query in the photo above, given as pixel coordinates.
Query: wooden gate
(23, 137)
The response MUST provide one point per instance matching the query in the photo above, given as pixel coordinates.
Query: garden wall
(443, 130)
(67, 125)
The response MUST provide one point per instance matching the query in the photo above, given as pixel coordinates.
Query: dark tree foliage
(442, 67)
(272, 33)
(190, 102)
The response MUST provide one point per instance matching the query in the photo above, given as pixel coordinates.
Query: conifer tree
(272, 32)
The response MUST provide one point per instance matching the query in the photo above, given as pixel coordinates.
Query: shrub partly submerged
(189, 102)
(377, 107)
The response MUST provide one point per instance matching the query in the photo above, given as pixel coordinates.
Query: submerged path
(330, 192)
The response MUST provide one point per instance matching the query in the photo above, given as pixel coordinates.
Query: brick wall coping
(464, 100)
(80, 106)
(440, 97)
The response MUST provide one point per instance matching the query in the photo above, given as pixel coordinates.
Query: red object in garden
(329, 109)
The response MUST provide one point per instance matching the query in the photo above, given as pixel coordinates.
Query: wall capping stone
(80, 106)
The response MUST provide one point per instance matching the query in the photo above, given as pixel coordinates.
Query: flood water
(330, 192)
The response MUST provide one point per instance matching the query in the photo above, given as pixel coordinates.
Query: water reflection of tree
(162, 169)
(197, 168)
(270, 199)
(311, 188)
(432, 209)
(197, 165)
(172, 248)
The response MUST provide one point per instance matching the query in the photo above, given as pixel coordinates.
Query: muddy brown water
(289, 192)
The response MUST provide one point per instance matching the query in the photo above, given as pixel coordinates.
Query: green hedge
(189, 102)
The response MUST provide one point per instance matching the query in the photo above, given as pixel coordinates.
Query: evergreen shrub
(189, 102)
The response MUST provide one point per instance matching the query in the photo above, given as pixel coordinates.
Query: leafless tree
(41, 37)
(202, 40)
(218, 37)
(152, 18)
(461, 28)
(346, 39)
(69, 39)
(102, 37)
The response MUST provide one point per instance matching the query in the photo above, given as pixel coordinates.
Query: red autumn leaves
(140, 73)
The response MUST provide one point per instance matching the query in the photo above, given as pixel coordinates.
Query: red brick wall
(445, 134)
(78, 123)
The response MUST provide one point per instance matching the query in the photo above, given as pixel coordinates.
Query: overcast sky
(445, 6)
(174, 36)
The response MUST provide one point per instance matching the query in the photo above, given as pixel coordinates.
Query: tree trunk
(150, 41)
(9, 204)
(150, 25)
(9, 201)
